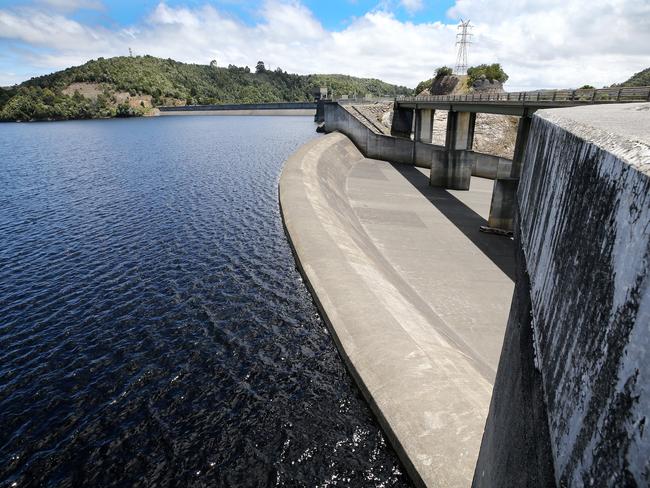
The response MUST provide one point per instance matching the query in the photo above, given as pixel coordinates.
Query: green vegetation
(586, 87)
(492, 72)
(36, 103)
(424, 85)
(642, 78)
(427, 84)
(443, 71)
(441, 84)
(169, 82)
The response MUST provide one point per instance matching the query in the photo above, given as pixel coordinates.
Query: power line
(463, 40)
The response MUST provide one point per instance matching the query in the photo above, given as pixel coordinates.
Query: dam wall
(571, 400)
(284, 108)
(414, 295)
(401, 150)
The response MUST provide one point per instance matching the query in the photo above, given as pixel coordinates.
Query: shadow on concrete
(499, 249)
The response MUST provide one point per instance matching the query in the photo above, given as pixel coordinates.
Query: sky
(539, 43)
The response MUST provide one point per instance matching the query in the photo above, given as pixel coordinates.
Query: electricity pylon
(463, 40)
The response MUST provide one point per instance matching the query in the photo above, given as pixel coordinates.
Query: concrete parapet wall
(429, 388)
(580, 381)
(242, 106)
(226, 113)
(402, 150)
(492, 167)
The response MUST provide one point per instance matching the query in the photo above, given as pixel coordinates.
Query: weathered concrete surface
(267, 112)
(416, 297)
(584, 233)
(516, 449)
(242, 106)
(280, 108)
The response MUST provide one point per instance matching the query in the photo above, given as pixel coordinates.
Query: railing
(363, 100)
(601, 95)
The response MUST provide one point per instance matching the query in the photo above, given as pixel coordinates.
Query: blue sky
(540, 43)
(333, 14)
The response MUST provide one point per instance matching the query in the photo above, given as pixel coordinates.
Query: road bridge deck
(416, 297)
(525, 103)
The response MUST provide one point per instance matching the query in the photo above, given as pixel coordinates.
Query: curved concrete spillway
(415, 297)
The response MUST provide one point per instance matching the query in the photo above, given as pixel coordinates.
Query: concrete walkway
(416, 297)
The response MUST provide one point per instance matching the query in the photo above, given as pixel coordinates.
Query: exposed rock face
(88, 90)
(449, 85)
(444, 85)
(496, 134)
(484, 85)
(93, 90)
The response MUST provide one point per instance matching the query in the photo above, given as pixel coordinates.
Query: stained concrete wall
(572, 396)
(402, 150)
(266, 112)
(488, 166)
(243, 106)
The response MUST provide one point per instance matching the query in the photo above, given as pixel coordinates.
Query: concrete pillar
(504, 195)
(416, 124)
(464, 133)
(450, 137)
(503, 204)
(424, 118)
(402, 122)
(320, 111)
(455, 170)
(520, 145)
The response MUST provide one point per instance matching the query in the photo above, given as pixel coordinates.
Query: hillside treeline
(168, 81)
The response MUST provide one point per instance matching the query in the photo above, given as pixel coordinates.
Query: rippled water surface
(153, 328)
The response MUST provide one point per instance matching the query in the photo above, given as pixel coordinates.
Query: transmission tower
(463, 40)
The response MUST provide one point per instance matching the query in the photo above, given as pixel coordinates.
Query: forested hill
(642, 78)
(127, 86)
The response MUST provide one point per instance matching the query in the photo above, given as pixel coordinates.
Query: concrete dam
(275, 109)
(495, 313)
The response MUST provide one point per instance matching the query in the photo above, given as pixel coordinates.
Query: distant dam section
(278, 109)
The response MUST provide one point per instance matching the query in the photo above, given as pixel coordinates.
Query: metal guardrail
(346, 101)
(240, 106)
(600, 95)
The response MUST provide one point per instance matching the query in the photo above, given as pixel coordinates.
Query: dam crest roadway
(418, 297)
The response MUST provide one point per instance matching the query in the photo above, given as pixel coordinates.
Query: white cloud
(540, 43)
(412, 5)
(70, 5)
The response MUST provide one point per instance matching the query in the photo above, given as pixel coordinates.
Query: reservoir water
(153, 328)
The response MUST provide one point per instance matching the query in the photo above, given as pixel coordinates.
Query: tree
(423, 85)
(166, 81)
(443, 71)
(259, 67)
(124, 110)
(492, 72)
(586, 87)
(213, 63)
